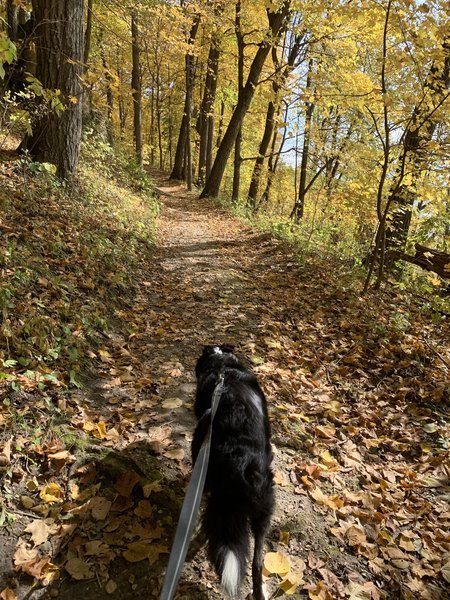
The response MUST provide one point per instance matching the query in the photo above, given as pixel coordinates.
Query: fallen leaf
(290, 583)
(51, 493)
(111, 587)
(172, 403)
(445, 570)
(175, 453)
(8, 594)
(78, 569)
(144, 509)
(125, 484)
(148, 488)
(100, 507)
(355, 535)
(41, 530)
(276, 562)
(136, 552)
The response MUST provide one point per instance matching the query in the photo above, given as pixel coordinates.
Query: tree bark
(88, 34)
(206, 121)
(429, 259)
(273, 158)
(299, 206)
(240, 87)
(178, 171)
(419, 133)
(277, 84)
(136, 88)
(59, 57)
(12, 19)
(277, 21)
(109, 100)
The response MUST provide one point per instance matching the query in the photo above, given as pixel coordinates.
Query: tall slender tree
(178, 171)
(280, 77)
(137, 87)
(277, 21)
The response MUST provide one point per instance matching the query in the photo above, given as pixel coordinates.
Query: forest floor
(359, 396)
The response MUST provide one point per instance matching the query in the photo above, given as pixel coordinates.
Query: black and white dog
(239, 480)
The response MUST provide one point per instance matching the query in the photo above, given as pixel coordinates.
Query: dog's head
(214, 358)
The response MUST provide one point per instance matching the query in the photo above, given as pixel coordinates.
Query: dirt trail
(336, 392)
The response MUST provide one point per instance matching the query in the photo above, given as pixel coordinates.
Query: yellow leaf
(328, 460)
(51, 493)
(101, 430)
(290, 583)
(275, 562)
(320, 592)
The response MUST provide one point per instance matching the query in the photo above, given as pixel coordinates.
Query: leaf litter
(93, 484)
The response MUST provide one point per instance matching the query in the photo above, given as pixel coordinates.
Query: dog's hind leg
(259, 526)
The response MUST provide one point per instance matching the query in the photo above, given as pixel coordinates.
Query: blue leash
(190, 506)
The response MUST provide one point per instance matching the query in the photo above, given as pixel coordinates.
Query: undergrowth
(331, 245)
(68, 255)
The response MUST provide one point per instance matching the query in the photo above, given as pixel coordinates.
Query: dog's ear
(227, 348)
(208, 350)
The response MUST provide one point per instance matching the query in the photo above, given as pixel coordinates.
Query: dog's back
(239, 479)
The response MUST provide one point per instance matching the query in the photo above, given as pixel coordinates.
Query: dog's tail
(228, 539)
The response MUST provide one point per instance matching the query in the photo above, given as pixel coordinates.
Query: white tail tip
(230, 574)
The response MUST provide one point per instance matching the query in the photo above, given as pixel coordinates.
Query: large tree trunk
(277, 21)
(137, 91)
(277, 84)
(178, 171)
(59, 58)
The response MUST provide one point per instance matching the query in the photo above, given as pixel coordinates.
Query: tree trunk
(277, 21)
(136, 91)
(220, 128)
(88, 34)
(299, 206)
(273, 158)
(59, 57)
(206, 121)
(109, 100)
(12, 19)
(240, 86)
(429, 259)
(178, 171)
(414, 154)
(277, 84)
